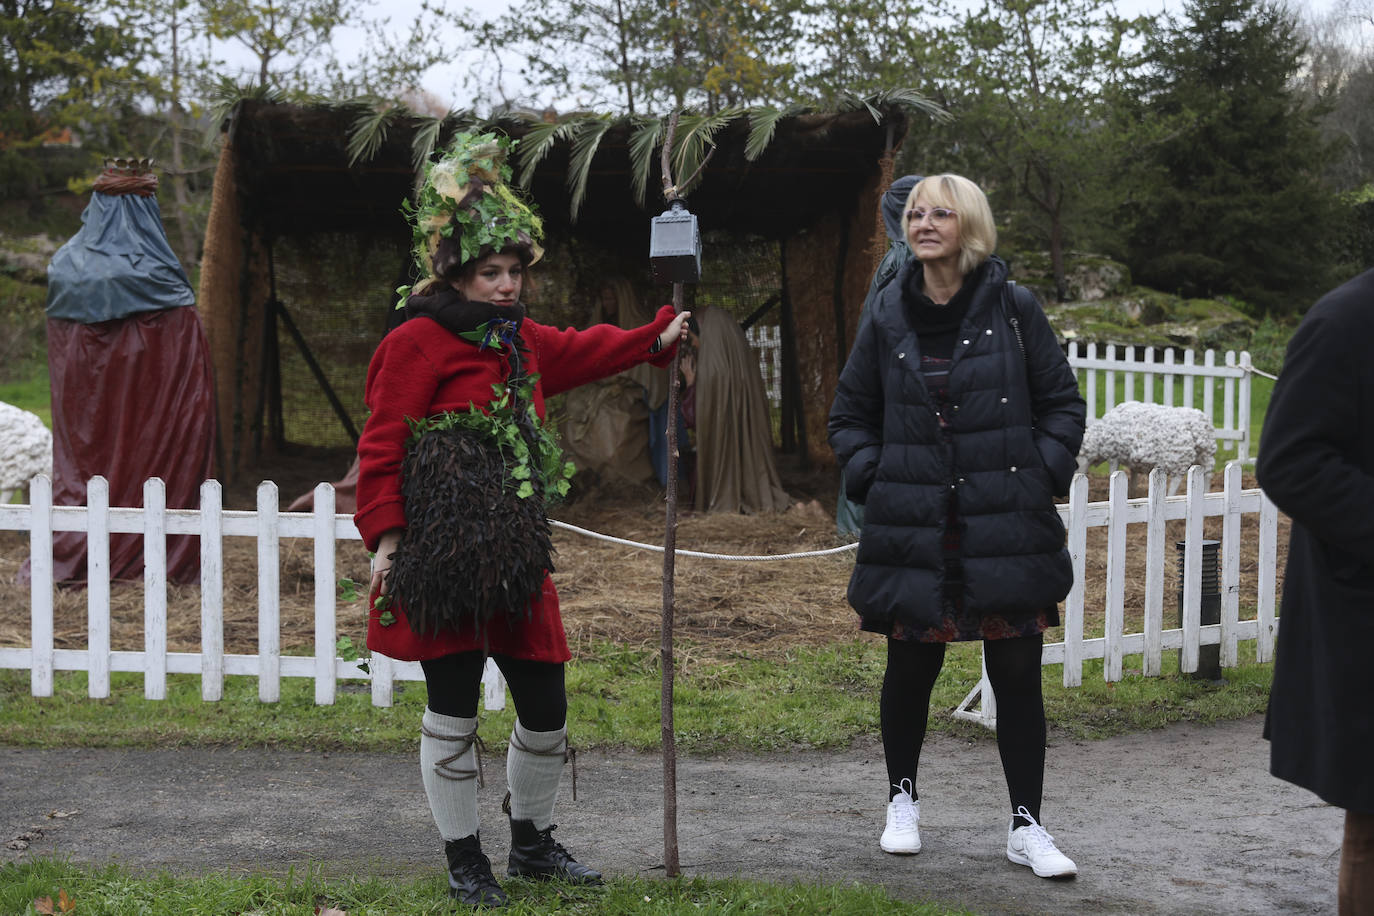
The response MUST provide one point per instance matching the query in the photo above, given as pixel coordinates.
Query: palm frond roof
(331, 168)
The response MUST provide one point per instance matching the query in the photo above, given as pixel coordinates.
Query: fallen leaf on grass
(329, 911)
(45, 906)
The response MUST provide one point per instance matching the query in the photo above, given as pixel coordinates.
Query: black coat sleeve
(856, 416)
(1314, 458)
(1059, 410)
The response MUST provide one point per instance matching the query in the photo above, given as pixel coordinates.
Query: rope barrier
(705, 556)
(1274, 378)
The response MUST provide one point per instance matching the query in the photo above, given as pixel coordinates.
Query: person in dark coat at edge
(849, 515)
(956, 437)
(466, 341)
(1316, 462)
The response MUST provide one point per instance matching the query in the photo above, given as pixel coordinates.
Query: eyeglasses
(938, 215)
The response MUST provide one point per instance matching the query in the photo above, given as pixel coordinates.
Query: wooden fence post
(98, 588)
(211, 591)
(269, 593)
(325, 604)
(154, 589)
(40, 586)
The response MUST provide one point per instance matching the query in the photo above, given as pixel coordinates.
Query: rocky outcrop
(26, 259)
(1105, 308)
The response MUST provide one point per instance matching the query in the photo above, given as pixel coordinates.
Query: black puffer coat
(1005, 467)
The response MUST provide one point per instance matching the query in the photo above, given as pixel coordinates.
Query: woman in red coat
(468, 345)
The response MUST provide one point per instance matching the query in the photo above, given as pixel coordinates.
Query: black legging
(1014, 670)
(541, 702)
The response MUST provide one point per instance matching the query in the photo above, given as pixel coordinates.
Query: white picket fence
(766, 339)
(213, 523)
(1116, 374)
(1116, 514)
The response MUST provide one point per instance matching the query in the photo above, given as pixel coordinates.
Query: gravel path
(1181, 820)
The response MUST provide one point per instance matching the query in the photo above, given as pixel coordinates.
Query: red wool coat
(421, 370)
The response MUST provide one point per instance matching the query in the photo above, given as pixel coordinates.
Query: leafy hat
(466, 209)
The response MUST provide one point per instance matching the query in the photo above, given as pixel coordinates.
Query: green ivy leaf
(387, 619)
(348, 590)
(525, 491)
(383, 602)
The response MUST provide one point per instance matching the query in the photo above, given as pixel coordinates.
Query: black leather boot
(536, 854)
(469, 874)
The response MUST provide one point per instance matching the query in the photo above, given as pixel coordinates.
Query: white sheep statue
(25, 450)
(1141, 437)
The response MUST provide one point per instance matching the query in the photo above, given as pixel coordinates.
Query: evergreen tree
(66, 75)
(1227, 197)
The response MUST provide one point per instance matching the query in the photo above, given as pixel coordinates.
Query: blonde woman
(957, 421)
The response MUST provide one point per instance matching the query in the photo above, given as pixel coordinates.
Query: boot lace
(551, 848)
(475, 867)
(445, 767)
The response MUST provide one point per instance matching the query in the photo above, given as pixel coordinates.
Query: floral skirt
(960, 624)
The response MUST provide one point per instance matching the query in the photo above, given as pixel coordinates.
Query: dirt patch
(609, 592)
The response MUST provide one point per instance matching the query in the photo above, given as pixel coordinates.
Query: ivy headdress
(466, 209)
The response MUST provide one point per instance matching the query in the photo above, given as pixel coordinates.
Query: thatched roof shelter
(285, 173)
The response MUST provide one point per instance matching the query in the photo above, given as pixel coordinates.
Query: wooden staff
(670, 849)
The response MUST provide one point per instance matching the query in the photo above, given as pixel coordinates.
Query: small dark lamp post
(675, 246)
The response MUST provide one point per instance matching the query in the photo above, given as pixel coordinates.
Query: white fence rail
(1117, 374)
(1116, 514)
(213, 523)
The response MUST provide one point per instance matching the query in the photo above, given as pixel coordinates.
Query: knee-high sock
(449, 770)
(534, 764)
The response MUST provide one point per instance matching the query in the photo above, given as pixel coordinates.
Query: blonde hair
(977, 231)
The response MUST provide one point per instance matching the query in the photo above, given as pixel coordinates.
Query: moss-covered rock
(1105, 308)
(26, 258)
(1147, 318)
(1087, 277)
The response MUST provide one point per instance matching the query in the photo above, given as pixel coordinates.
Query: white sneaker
(1033, 846)
(901, 837)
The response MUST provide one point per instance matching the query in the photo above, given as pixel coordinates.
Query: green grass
(812, 698)
(30, 393)
(113, 891)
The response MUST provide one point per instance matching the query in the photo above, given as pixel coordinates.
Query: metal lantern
(675, 246)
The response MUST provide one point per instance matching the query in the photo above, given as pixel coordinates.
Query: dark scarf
(479, 323)
(929, 318)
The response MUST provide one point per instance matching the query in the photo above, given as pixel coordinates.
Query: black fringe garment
(472, 548)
